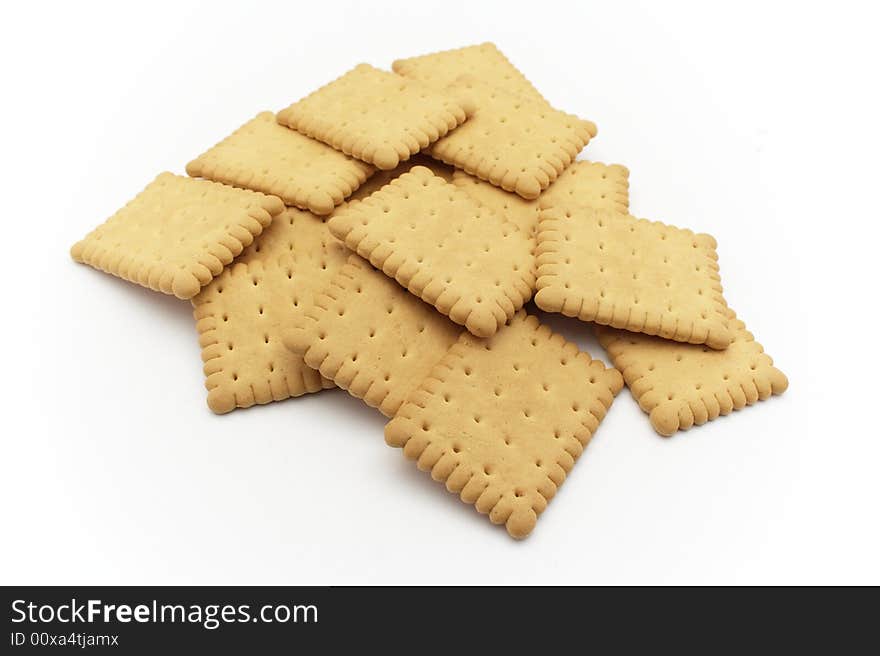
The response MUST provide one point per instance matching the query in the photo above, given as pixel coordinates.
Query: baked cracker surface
(514, 143)
(502, 420)
(371, 337)
(594, 184)
(685, 385)
(643, 276)
(441, 245)
(177, 234)
(301, 235)
(590, 184)
(382, 178)
(484, 62)
(242, 315)
(376, 116)
(271, 158)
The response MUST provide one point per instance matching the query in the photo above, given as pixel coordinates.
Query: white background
(757, 124)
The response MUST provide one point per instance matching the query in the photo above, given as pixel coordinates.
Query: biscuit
(296, 233)
(588, 183)
(376, 116)
(502, 420)
(242, 314)
(640, 275)
(519, 211)
(382, 178)
(444, 247)
(682, 385)
(177, 234)
(239, 317)
(265, 156)
(484, 62)
(516, 144)
(371, 337)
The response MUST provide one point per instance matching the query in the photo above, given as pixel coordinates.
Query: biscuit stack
(384, 234)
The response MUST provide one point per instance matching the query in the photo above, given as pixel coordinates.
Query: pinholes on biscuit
(177, 234)
(589, 183)
(268, 157)
(623, 272)
(441, 245)
(242, 315)
(382, 178)
(685, 385)
(502, 420)
(371, 337)
(376, 116)
(484, 62)
(514, 143)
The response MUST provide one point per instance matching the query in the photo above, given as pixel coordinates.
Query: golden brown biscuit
(583, 183)
(443, 247)
(485, 62)
(265, 156)
(298, 234)
(372, 337)
(243, 314)
(502, 420)
(682, 385)
(382, 178)
(629, 273)
(177, 234)
(516, 144)
(589, 184)
(376, 116)
(240, 317)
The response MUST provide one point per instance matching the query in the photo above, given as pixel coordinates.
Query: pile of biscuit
(383, 235)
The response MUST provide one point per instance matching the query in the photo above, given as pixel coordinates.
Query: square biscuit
(371, 337)
(376, 116)
(443, 247)
(177, 234)
(484, 62)
(516, 144)
(502, 420)
(265, 156)
(639, 275)
(683, 385)
(240, 317)
(588, 183)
